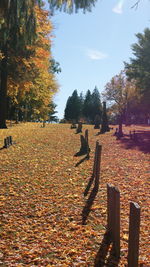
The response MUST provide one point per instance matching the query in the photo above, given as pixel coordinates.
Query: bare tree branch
(136, 4)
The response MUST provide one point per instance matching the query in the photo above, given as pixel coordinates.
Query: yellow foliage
(34, 79)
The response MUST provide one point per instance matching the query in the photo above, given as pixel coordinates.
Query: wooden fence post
(109, 209)
(87, 140)
(5, 143)
(10, 140)
(134, 229)
(95, 158)
(113, 217)
(79, 128)
(97, 165)
(116, 226)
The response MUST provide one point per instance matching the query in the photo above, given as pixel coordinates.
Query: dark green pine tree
(96, 105)
(72, 110)
(104, 125)
(81, 99)
(87, 106)
(52, 112)
(139, 68)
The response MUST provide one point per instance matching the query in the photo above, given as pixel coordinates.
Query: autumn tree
(17, 30)
(139, 68)
(31, 91)
(119, 92)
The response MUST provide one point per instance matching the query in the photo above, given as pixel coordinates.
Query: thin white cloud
(119, 7)
(96, 54)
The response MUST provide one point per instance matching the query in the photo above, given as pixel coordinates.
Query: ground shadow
(142, 141)
(2, 147)
(105, 255)
(80, 153)
(87, 208)
(78, 132)
(89, 185)
(82, 160)
(98, 133)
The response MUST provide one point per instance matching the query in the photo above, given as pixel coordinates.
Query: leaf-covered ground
(42, 196)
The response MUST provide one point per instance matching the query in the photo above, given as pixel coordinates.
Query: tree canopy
(85, 108)
(18, 30)
(72, 110)
(71, 6)
(27, 68)
(139, 66)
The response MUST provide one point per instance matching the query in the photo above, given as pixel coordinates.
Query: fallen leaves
(41, 197)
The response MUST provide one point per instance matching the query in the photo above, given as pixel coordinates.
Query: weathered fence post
(134, 229)
(135, 136)
(87, 141)
(79, 128)
(109, 209)
(116, 226)
(73, 126)
(113, 217)
(95, 156)
(10, 140)
(5, 143)
(97, 164)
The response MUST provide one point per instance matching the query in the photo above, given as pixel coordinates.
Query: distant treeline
(83, 107)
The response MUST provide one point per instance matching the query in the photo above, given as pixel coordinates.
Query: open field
(42, 195)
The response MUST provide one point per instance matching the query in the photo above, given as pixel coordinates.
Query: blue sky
(92, 47)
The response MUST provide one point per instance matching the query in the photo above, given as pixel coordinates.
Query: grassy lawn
(42, 195)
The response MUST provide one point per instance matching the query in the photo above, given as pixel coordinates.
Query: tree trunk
(3, 90)
(127, 115)
(120, 133)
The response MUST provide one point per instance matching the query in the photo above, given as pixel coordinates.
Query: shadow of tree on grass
(142, 143)
(105, 255)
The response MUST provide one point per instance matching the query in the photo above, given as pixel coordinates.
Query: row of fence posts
(132, 134)
(8, 141)
(113, 215)
(113, 225)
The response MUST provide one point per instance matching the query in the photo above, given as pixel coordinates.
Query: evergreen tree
(87, 106)
(139, 67)
(71, 6)
(52, 112)
(96, 105)
(81, 99)
(72, 110)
